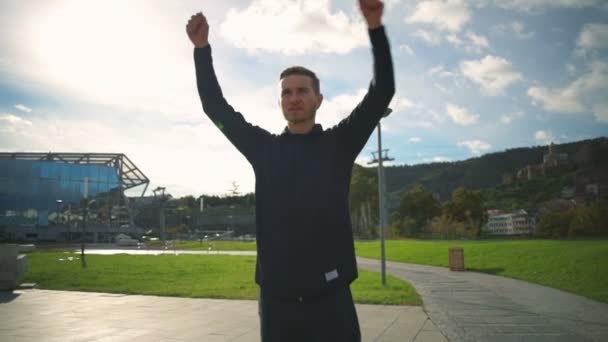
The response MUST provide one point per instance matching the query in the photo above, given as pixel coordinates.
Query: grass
(205, 245)
(202, 276)
(577, 266)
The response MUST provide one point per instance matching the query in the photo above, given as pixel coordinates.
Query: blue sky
(472, 77)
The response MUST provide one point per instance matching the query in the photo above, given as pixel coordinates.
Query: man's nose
(294, 98)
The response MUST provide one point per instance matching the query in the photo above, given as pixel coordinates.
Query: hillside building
(518, 222)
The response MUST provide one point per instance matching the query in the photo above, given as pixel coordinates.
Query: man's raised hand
(372, 12)
(198, 30)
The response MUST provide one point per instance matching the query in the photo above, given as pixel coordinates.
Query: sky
(472, 77)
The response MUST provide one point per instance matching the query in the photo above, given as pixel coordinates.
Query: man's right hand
(198, 30)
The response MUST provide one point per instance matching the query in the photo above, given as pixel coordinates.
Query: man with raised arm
(305, 250)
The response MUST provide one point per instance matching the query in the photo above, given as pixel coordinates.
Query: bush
(404, 227)
(447, 228)
(582, 221)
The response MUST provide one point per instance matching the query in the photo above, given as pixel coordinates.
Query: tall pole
(84, 221)
(382, 208)
(161, 211)
(381, 205)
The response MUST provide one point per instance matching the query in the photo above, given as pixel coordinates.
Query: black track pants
(328, 318)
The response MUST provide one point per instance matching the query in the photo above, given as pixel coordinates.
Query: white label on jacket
(331, 275)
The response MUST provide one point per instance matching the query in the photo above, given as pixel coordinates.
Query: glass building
(67, 196)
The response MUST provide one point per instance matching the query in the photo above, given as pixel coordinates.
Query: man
(305, 250)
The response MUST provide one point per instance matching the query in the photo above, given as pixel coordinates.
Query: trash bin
(456, 259)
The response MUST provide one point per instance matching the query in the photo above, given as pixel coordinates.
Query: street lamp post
(379, 158)
(83, 262)
(58, 208)
(161, 218)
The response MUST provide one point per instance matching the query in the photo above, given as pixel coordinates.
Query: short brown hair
(300, 70)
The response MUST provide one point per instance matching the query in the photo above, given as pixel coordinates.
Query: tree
(363, 201)
(555, 224)
(416, 208)
(467, 207)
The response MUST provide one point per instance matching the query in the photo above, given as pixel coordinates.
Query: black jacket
(304, 235)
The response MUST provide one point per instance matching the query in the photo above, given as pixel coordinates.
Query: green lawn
(577, 266)
(208, 276)
(205, 245)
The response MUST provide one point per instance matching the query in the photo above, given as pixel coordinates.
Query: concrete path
(470, 306)
(62, 316)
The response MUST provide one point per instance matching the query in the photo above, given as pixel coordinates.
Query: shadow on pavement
(493, 271)
(8, 296)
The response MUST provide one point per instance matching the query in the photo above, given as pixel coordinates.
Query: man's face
(299, 101)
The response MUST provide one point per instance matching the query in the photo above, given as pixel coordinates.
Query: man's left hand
(372, 12)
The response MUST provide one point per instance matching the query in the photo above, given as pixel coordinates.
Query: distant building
(519, 222)
(550, 160)
(531, 171)
(556, 205)
(568, 192)
(42, 196)
(553, 159)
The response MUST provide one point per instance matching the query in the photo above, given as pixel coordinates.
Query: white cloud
(441, 159)
(400, 103)
(333, 110)
(508, 118)
(556, 100)
(594, 36)
(478, 40)
(492, 73)
(544, 137)
(407, 48)
(585, 93)
(432, 38)
(477, 147)
(600, 110)
(414, 140)
(471, 42)
(516, 29)
(460, 115)
(293, 28)
(520, 31)
(10, 123)
(23, 108)
(417, 116)
(542, 5)
(449, 15)
(439, 70)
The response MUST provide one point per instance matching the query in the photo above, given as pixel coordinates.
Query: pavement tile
(471, 306)
(430, 336)
(63, 316)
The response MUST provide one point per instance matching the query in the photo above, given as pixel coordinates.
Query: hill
(486, 172)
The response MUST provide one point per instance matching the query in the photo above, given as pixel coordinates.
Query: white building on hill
(518, 222)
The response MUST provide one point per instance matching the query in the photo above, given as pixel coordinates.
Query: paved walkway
(470, 306)
(62, 316)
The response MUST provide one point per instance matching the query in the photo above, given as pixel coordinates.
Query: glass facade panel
(55, 170)
(27, 185)
(45, 170)
(94, 173)
(74, 173)
(30, 191)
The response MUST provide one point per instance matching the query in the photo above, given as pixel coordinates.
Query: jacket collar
(316, 129)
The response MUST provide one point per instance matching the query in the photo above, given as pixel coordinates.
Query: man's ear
(320, 100)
